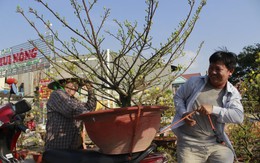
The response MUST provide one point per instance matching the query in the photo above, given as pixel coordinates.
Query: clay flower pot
(123, 130)
(37, 157)
(16, 154)
(21, 154)
(164, 141)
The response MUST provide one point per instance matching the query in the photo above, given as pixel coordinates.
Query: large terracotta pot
(123, 130)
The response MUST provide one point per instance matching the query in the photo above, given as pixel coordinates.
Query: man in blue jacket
(201, 137)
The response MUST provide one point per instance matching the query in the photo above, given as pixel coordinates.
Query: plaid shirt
(62, 130)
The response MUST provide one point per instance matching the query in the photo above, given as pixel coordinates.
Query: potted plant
(122, 76)
(20, 154)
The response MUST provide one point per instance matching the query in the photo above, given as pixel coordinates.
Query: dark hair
(228, 58)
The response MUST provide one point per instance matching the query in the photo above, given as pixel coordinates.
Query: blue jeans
(217, 153)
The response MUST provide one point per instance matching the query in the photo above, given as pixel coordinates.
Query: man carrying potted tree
(208, 102)
(62, 130)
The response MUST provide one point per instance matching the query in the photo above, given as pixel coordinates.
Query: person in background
(30, 123)
(21, 89)
(62, 130)
(208, 102)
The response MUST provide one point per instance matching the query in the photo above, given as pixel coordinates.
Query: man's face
(71, 88)
(218, 74)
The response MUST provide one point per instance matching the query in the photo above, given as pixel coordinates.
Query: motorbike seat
(92, 156)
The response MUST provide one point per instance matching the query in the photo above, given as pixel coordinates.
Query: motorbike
(94, 156)
(11, 126)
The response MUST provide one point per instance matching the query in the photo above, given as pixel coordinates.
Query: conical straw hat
(60, 81)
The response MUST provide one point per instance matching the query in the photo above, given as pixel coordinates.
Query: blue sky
(223, 23)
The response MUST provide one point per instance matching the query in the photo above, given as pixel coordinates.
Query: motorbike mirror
(13, 89)
(22, 107)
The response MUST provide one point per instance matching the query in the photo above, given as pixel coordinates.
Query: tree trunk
(126, 100)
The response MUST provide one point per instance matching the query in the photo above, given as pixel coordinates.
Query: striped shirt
(62, 130)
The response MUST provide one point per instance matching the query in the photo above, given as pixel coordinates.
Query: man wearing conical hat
(62, 130)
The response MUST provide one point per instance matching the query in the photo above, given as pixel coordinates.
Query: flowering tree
(245, 137)
(124, 75)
